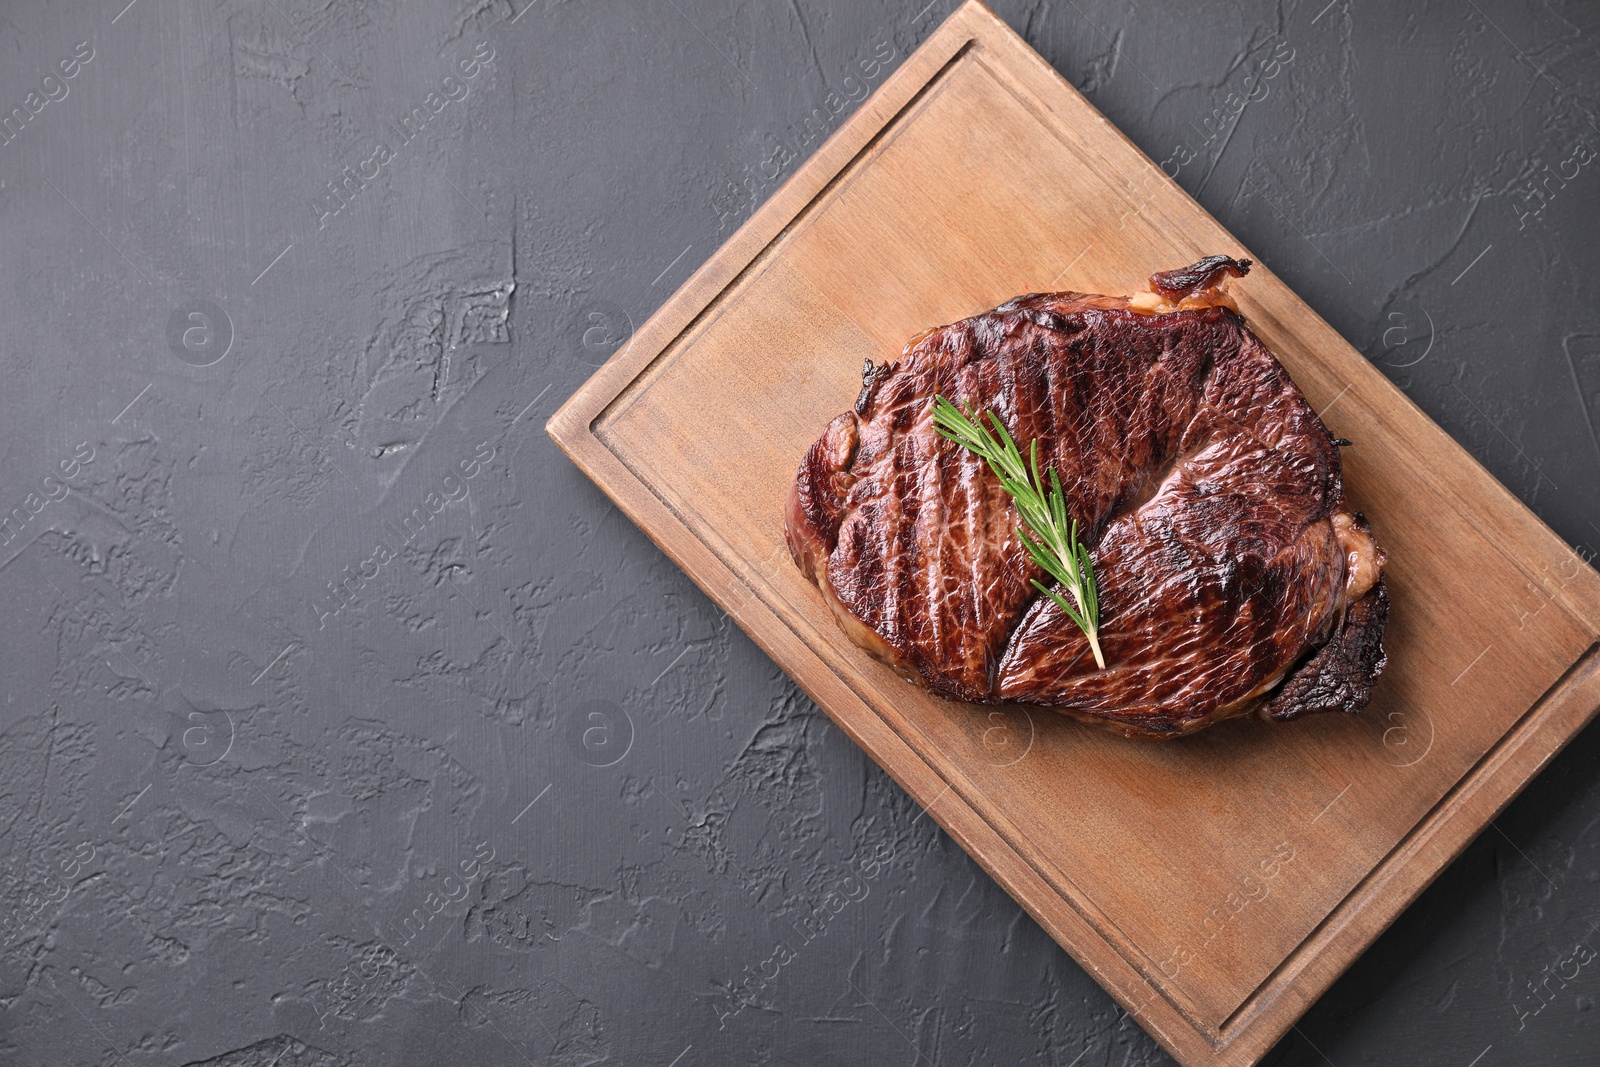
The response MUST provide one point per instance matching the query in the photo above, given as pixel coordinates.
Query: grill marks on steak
(1202, 481)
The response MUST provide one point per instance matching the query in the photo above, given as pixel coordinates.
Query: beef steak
(1231, 577)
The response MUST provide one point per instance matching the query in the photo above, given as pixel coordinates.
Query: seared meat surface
(1231, 577)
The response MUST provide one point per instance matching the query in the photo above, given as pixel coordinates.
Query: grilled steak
(1231, 577)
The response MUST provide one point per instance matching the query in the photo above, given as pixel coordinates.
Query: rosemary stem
(1094, 646)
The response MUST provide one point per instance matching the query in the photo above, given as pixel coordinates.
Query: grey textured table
(344, 722)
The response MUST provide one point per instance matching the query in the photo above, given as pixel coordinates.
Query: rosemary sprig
(1053, 542)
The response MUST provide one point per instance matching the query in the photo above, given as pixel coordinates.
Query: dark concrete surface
(515, 792)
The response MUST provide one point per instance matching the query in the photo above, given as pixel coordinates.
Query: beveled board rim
(1352, 924)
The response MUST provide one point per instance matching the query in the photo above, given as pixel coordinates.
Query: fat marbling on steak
(1232, 578)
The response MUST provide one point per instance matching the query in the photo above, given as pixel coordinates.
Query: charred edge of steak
(870, 378)
(816, 498)
(1340, 675)
(1177, 284)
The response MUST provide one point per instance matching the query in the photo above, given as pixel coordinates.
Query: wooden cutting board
(1216, 886)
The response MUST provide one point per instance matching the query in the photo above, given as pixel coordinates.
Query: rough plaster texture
(345, 723)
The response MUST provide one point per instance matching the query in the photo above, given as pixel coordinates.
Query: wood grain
(1216, 885)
